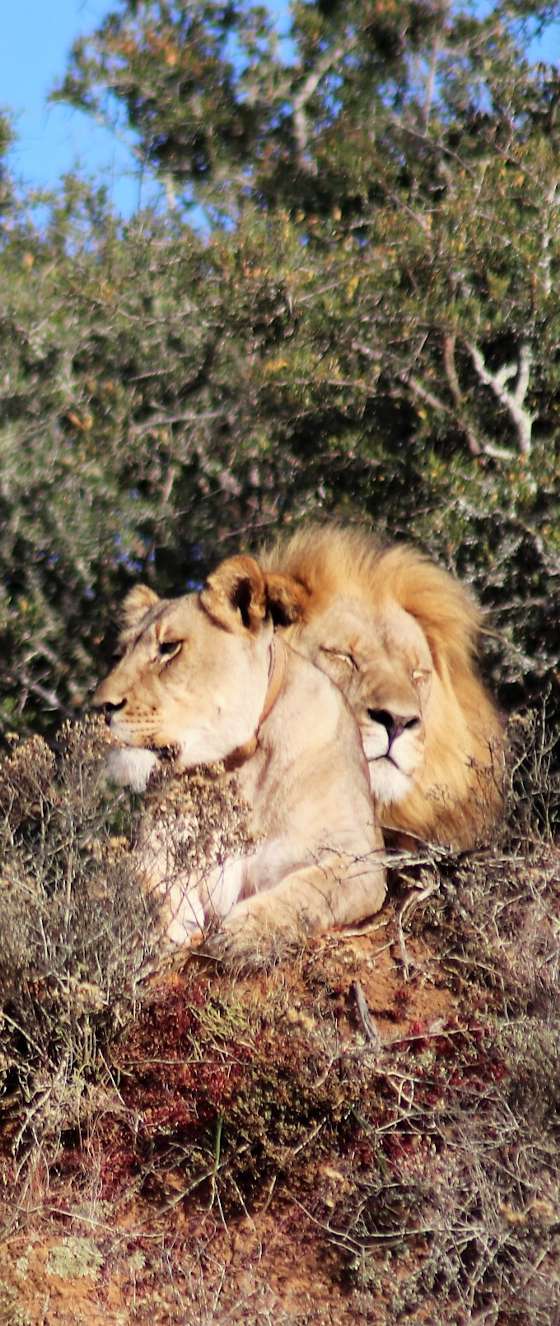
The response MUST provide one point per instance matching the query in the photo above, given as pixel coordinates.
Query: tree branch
(450, 366)
(49, 697)
(513, 401)
(457, 414)
(306, 91)
(551, 200)
(167, 420)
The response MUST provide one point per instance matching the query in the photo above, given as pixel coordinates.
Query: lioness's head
(397, 635)
(194, 673)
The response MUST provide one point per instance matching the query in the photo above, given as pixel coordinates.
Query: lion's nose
(393, 723)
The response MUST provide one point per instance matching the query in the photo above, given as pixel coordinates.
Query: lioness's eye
(168, 648)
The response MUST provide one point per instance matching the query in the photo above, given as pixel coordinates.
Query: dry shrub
(190, 824)
(81, 934)
(77, 927)
(464, 1212)
(534, 775)
(425, 1167)
(493, 914)
(218, 1091)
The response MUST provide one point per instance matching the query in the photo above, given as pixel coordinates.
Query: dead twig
(366, 1021)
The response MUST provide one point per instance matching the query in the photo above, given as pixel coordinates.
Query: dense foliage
(346, 305)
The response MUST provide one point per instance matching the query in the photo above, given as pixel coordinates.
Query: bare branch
(424, 394)
(167, 420)
(459, 413)
(450, 366)
(510, 400)
(551, 201)
(306, 91)
(367, 1022)
(49, 697)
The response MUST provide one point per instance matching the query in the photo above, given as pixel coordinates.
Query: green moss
(74, 1258)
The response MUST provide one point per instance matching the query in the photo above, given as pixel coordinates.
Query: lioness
(397, 634)
(204, 678)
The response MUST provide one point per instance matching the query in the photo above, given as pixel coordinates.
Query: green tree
(365, 323)
(6, 195)
(401, 140)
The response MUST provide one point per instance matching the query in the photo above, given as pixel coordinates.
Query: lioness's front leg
(306, 902)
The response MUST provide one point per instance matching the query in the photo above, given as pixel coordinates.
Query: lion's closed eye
(339, 655)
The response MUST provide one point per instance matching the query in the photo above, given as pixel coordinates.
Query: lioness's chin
(131, 766)
(388, 783)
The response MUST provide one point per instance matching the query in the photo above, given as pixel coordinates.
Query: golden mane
(456, 794)
(330, 560)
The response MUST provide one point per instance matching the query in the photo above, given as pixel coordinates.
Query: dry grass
(386, 1105)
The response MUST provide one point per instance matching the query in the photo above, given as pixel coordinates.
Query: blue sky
(36, 38)
(35, 41)
(34, 45)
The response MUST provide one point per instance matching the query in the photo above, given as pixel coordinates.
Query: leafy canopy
(345, 303)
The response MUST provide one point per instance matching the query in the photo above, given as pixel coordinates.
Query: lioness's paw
(248, 942)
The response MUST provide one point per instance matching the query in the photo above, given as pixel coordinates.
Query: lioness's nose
(107, 707)
(393, 723)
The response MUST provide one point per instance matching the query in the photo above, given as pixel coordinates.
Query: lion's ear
(287, 598)
(235, 595)
(137, 603)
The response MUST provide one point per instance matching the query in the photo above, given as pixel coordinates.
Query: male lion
(204, 678)
(397, 635)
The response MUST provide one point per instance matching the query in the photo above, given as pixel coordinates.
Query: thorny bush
(424, 1163)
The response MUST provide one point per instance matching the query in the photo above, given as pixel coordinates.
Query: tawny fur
(455, 795)
(203, 676)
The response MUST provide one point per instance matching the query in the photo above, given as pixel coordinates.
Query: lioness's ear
(287, 598)
(135, 606)
(235, 595)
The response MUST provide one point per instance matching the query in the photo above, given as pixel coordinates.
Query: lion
(204, 679)
(397, 634)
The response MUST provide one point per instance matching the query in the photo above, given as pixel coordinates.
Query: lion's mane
(457, 794)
